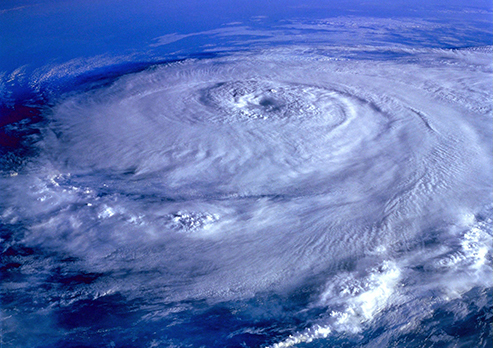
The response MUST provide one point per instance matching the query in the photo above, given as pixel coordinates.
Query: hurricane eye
(268, 103)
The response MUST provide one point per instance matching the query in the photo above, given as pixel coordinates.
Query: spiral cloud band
(307, 195)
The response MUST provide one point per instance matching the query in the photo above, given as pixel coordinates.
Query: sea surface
(240, 174)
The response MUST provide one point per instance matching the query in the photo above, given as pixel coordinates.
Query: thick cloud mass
(312, 195)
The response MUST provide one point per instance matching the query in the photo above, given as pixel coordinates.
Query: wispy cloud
(14, 9)
(227, 31)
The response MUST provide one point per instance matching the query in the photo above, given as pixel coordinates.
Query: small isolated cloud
(169, 38)
(14, 9)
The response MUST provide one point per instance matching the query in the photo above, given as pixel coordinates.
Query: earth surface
(246, 173)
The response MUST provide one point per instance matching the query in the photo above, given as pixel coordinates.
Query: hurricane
(291, 195)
